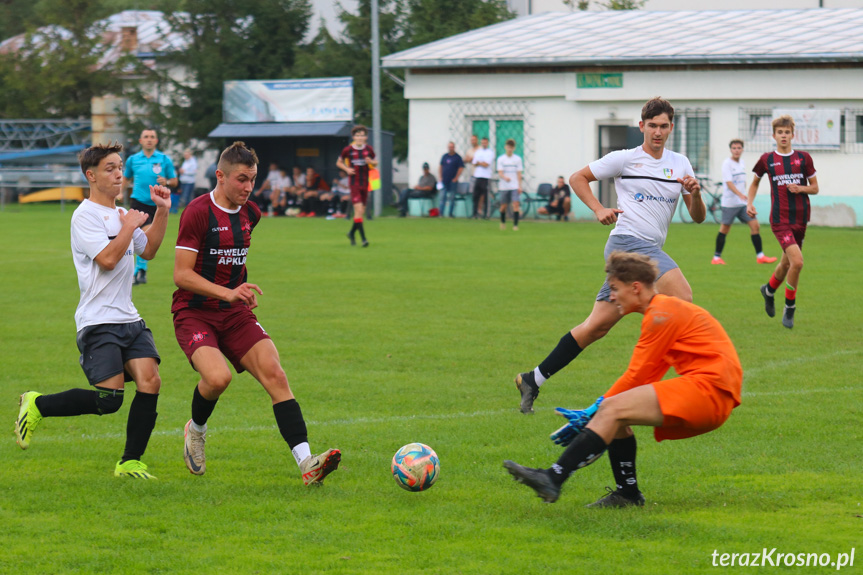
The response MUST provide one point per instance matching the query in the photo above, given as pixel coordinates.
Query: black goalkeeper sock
(720, 243)
(584, 450)
(756, 241)
(567, 350)
(621, 455)
(202, 408)
(68, 403)
(291, 424)
(139, 427)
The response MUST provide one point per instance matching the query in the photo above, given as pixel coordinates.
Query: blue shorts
(635, 245)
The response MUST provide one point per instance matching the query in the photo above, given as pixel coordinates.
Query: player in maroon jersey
(792, 180)
(356, 160)
(213, 313)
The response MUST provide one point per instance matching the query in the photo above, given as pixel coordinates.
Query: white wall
(565, 119)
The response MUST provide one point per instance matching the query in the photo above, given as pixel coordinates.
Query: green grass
(417, 338)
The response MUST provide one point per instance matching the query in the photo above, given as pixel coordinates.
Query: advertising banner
(310, 100)
(815, 129)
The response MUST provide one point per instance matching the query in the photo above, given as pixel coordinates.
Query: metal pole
(376, 99)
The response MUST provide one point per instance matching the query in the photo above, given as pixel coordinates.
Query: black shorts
(146, 208)
(105, 349)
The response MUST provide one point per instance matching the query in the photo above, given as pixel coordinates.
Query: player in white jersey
(650, 180)
(115, 344)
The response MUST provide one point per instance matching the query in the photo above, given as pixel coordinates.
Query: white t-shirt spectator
(106, 295)
(734, 172)
(483, 155)
(647, 190)
(189, 170)
(281, 183)
(510, 166)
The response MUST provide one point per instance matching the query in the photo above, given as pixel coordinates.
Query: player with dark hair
(650, 180)
(733, 205)
(115, 344)
(792, 180)
(149, 167)
(213, 313)
(356, 160)
(674, 333)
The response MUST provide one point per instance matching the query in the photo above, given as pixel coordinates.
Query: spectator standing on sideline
(210, 174)
(483, 160)
(449, 171)
(733, 205)
(559, 202)
(149, 167)
(509, 170)
(188, 173)
(357, 159)
(473, 146)
(213, 318)
(115, 344)
(425, 188)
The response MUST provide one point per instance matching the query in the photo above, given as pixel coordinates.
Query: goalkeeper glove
(578, 419)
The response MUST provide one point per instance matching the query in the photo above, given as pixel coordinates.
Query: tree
(228, 40)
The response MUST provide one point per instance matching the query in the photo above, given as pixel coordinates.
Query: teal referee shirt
(144, 171)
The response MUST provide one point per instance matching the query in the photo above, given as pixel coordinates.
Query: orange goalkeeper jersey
(678, 334)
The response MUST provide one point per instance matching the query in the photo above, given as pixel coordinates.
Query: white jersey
(510, 166)
(647, 190)
(734, 172)
(485, 155)
(106, 296)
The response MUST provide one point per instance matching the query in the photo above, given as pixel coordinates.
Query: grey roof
(647, 38)
(281, 129)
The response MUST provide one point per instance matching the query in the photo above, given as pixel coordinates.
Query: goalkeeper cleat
(537, 479)
(132, 468)
(769, 306)
(578, 420)
(316, 467)
(617, 499)
(788, 316)
(526, 384)
(193, 449)
(28, 419)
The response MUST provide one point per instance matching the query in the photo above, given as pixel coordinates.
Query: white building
(570, 86)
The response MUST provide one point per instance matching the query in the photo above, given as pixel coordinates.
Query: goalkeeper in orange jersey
(674, 333)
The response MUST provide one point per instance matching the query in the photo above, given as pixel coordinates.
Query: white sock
(301, 451)
(759, 255)
(198, 428)
(538, 377)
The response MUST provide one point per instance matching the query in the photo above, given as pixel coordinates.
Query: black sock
(621, 455)
(353, 229)
(202, 408)
(788, 303)
(68, 403)
(362, 231)
(720, 243)
(584, 450)
(142, 420)
(515, 215)
(292, 426)
(567, 350)
(756, 241)
(503, 217)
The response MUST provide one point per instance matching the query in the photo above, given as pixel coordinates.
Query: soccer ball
(415, 467)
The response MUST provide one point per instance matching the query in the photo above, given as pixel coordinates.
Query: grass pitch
(417, 338)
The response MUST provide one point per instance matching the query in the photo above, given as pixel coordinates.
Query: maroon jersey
(221, 239)
(795, 168)
(356, 158)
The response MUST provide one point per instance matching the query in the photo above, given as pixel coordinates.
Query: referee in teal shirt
(149, 167)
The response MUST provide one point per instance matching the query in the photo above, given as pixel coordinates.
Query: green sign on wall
(599, 80)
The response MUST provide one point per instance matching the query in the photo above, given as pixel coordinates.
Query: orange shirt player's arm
(659, 332)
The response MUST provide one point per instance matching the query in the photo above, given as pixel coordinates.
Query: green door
(506, 129)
